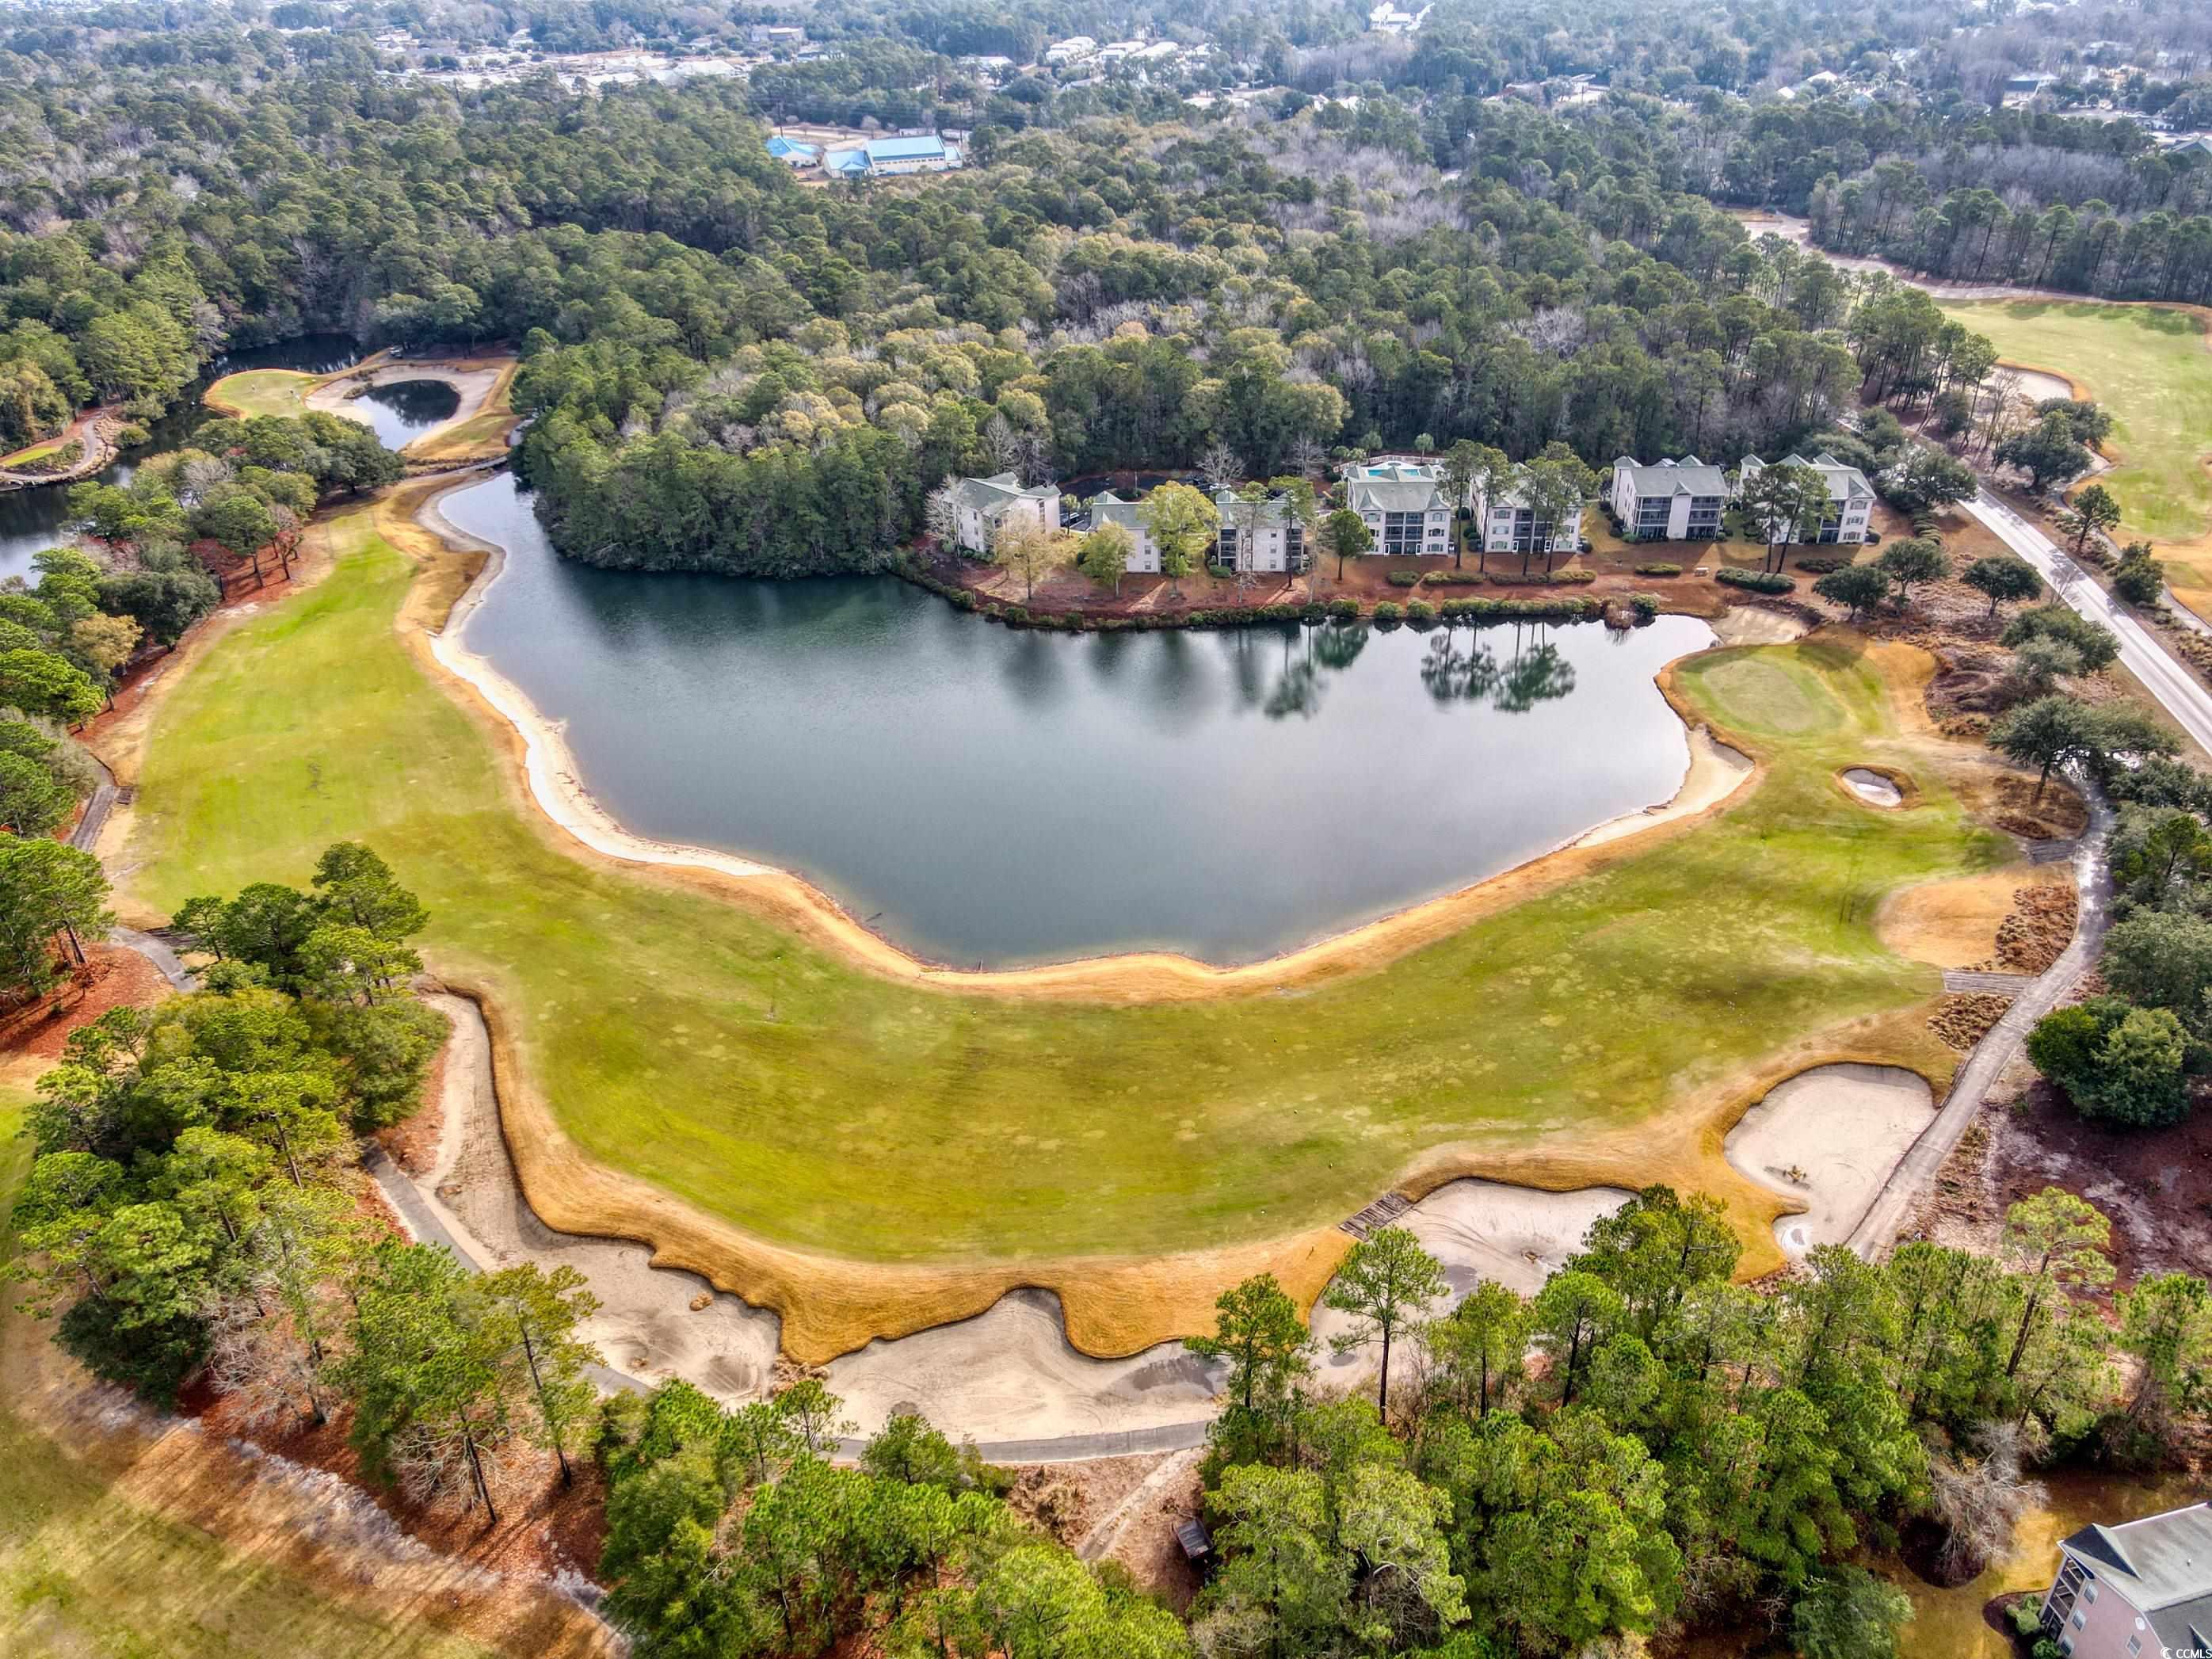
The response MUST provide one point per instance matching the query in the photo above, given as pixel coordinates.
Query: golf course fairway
(702, 1062)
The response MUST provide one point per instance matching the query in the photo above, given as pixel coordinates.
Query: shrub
(1388, 614)
(1821, 567)
(1660, 569)
(131, 435)
(1647, 605)
(1758, 582)
(1453, 579)
(2138, 578)
(2044, 1648)
(1403, 578)
(2026, 1615)
(1421, 614)
(1344, 609)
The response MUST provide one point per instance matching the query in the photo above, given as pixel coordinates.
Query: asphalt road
(2177, 689)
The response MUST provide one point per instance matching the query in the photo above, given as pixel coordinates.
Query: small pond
(983, 794)
(400, 410)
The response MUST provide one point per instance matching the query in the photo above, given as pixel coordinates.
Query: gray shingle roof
(2162, 1565)
(1687, 476)
(1388, 495)
(994, 494)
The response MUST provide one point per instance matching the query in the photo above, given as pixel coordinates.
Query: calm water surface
(982, 794)
(396, 412)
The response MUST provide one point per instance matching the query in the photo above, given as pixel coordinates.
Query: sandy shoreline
(1715, 773)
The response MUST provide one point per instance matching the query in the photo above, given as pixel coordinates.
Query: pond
(981, 794)
(400, 410)
(32, 520)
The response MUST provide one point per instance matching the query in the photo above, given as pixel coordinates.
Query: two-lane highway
(2176, 688)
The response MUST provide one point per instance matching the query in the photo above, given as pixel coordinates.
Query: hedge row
(1658, 569)
(1573, 577)
(1567, 609)
(1758, 582)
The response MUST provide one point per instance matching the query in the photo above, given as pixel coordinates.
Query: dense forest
(730, 369)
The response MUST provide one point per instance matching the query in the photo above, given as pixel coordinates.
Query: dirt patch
(2154, 1185)
(1975, 921)
(31, 1038)
(1828, 1139)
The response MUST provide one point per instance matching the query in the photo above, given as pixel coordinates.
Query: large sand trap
(1828, 1139)
(1482, 1229)
(474, 383)
(1758, 625)
(646, 1325)
(1009, 1374)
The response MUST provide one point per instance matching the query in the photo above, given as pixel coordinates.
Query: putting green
(695, 1043)
(264, 392)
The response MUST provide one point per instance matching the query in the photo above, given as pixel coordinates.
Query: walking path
(1877, 1231)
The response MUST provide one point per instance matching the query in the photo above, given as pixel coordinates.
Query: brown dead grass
(1957, 923)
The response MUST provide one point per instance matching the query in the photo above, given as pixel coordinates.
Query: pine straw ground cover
(715, 1065)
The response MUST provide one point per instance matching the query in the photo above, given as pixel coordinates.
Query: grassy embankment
(2151, 366)
(85, 1569)
(685, 1039)
(31, 453)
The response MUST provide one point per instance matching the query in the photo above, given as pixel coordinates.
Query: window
(2135, 1645)
(2080, 1618)
(2089, 1593)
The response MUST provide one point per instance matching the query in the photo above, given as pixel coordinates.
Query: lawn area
(264, 392)
(690, 1042)
(30, 452)
(84, 1570)
(2150, 366)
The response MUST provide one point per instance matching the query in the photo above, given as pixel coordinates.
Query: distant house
(888, 157)
(792, 154)
(1668, 501)
(982, 507)
(1507, 524)
(1850, 497)
(2143, 1587)
(1073, 50)
(1144, 552)
(1404, 504)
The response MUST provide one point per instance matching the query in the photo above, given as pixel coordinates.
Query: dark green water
(978, 793)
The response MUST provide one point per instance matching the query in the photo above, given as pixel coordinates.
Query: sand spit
(1828, 1139)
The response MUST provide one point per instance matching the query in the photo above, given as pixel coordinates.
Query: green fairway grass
(2149, 366)
(265, 391)
(85, 1571)
(686, 1041)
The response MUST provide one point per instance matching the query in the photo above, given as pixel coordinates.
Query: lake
(32, 520)
(979, 794)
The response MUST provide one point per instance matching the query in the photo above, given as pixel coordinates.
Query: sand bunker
(1872, 787)
(1009, 1374)
(1828, 1139)
(1482, 1229)
(1758, 624)
(647, 1324)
